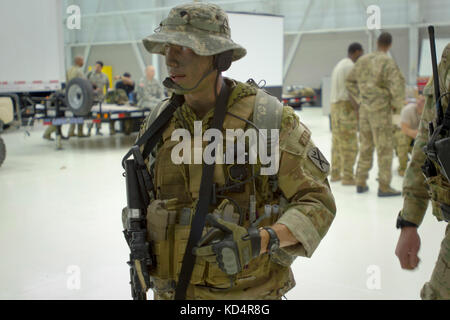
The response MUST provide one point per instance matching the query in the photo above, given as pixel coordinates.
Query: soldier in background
(344, 120)
(407, 130)
(418, 190)
(149, 91)
(74, 72)
(378, 86)
(100, 83)
(124, 89)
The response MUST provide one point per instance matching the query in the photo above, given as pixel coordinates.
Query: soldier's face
(185, 67)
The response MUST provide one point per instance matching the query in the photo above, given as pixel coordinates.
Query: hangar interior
(61, 229)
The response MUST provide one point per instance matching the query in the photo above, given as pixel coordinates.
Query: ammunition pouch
(440, 197)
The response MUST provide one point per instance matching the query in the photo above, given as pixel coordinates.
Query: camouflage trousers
(375, 132)
(438, 288)
(402, 144)
(344, 144)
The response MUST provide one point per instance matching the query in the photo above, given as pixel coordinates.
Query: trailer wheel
(79, 96)
(2, 151)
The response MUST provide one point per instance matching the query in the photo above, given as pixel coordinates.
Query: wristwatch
(403, 223)
(274, 242)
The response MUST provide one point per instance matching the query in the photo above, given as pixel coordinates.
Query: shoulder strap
(206, 187)
(267, 112)
(158, 121)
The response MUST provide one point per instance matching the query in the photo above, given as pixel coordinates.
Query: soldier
(149, 91)
(344, 120)
(378, 86)
(407, 132)
(74, 72)
(124, 89)
(418, 190)
(99, 82)
(194, 39)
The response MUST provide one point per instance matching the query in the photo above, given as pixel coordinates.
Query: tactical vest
(181, 182)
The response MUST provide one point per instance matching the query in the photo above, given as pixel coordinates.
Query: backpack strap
(267, 111)
(267, 114)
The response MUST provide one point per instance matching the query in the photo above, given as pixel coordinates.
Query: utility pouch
(158, 220)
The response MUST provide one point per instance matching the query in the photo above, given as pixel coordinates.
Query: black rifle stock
(140, 192)
(141, 260)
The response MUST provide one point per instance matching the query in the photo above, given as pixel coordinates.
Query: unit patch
(319, 159)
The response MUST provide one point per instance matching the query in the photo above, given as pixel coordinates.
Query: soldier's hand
(229, 245)
(408, 246)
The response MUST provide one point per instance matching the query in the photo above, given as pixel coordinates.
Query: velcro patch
(319, 159)
(304, 138)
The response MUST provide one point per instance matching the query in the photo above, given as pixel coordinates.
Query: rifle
(138, 181)
(437, 149)
(140, 192)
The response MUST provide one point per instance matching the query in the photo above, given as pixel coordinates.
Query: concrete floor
(61, 231)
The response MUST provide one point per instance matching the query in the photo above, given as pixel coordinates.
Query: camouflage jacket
(149, 93)
(377, 83)
(74, 72)
(416, 191)
(301, 179)
(100, 80)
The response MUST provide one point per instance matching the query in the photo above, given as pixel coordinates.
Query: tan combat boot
(387, 191)
(348, 181)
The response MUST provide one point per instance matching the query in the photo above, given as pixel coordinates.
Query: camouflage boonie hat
(202, 27)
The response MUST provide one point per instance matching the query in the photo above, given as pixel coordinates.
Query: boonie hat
(202, 27)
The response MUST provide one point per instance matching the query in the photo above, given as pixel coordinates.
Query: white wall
(317, 54)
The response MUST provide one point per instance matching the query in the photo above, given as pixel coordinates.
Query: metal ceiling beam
(296, 42)
(154, 10)
(137, 51)
(92, 30)
(414, 18)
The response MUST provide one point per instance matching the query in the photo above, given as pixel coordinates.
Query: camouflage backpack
(117, 96)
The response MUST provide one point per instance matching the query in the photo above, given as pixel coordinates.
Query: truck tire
(79, 96)
(2, 151)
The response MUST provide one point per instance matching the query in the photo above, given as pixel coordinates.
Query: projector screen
(262, 36)
(425, 68)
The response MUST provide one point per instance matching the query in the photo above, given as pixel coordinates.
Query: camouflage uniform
(344, 126)
(149, 93)
(418, 190)
(308, 206)
(100, 80)
(75, 72)
(402, 143)
(378, 86)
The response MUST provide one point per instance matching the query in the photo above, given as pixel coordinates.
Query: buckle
(445, 212)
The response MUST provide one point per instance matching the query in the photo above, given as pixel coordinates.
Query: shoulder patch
(319, 159)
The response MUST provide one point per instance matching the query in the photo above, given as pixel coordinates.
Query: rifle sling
(154, 133)
(198, 221)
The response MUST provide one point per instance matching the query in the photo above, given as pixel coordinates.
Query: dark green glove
(229, 245)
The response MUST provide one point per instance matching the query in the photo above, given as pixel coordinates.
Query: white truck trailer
(32, 68)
